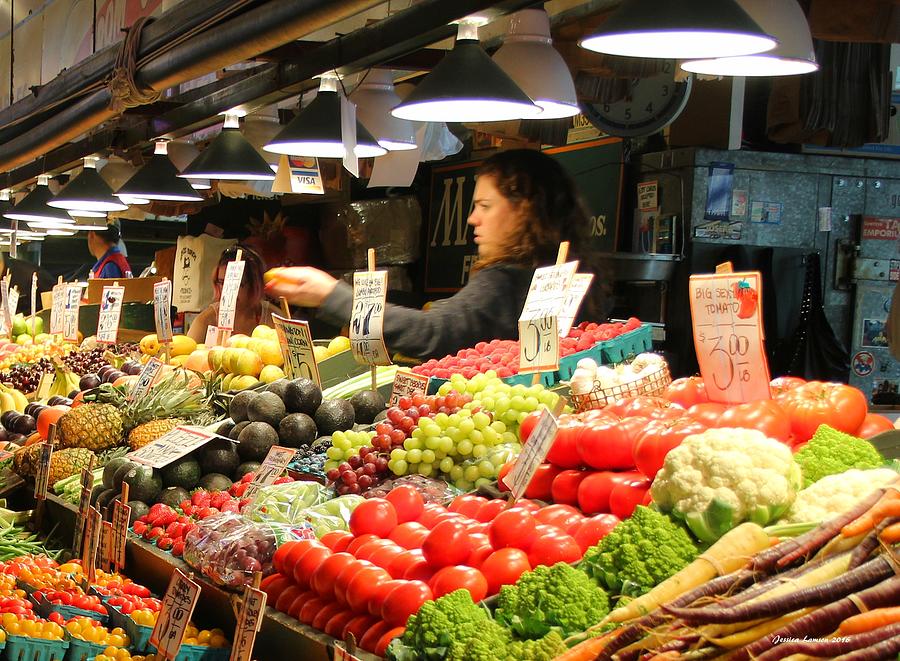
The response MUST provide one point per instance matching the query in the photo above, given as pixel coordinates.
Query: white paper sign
(177, 608)
(109, 315)
(171, 446)
(407, 384)
(59, 308)
(271, 468)
(367, 318)
(162, 310)
(230, 289)
(249, 621)
(297, 348)
(70, 315)
(348, 134)
(12, 303)
(4, 304)
(539, 321)
(533, 453)
(146, 378)
(579, 286)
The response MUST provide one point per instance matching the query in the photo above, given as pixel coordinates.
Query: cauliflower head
(722, 477)
(835, 494)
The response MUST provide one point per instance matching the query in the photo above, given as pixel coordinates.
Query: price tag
(4, 304)
(70, 315)
(249, 621)
(105, 550)
(42, 479)
(120, 520)
(539, 321)
(162, 310)
(726, 311)
(171, 446)
(271, 468)
(216, 337)
(297, 348)
(84, 505)
(367, 318)
(341, 654)
(91, 543)
(33, 324)
(581, 283)
(44, 385)
(146, 378)
(533, 453)
(230, 289)
(177, 608)
(58, 309)
(110, 313)
(407, 384)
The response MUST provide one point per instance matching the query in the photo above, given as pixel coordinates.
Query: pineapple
(65, 463)
(93, 426)
(26, 459)
(148, 432)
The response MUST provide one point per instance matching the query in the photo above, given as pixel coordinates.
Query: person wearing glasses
(252, 308)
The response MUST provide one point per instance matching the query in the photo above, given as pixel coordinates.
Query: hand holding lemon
(300, 285)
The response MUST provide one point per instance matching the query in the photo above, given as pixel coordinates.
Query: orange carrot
(891, 534)
(587, 650)
(870, 620)
(887, 505)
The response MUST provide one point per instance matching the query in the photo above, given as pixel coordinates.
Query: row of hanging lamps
(229, 156)
(88, 192)
(35, 210)
(158, 180)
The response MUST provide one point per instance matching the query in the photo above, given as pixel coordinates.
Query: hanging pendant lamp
(229, 156)
(794, 54)
(375, 98)
(316, 130)
(466, 86)
(686, 29)
(5, 205)
(158, 180)
(88, 192)
(33, 208)
(86, 224)
(528, 57)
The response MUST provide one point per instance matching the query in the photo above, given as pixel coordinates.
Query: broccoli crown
(640, 553)
(830, 452)
(551, 598)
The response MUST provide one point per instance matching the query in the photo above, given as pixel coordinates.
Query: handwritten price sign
(726, 310)
(297, 349)
(110, 313)
(271, 469)
(581, 283)
(230, 289)
(146, 379)
(407, 384)
(533, 453)
(367, 318)
(70, 314)
(177, 608)
(162, 310)
(171, 446)
(58, 309)
(539, 321)
(249, 621)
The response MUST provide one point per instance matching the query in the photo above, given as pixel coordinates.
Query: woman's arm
(202, 321)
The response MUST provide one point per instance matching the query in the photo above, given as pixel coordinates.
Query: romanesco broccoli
(640, 553)
(830, 452)
(551, 598)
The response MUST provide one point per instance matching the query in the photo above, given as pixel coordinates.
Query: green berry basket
(24, 648)
(627, 345)
(138, 634)
(44, 608)
(82, 650)
(200, 653)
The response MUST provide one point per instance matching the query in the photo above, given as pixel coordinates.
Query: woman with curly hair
(524, 205)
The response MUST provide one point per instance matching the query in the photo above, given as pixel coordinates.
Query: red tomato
(361, 588)
(645, 406)
(322, 617)
(687, 391)
(816, 403)
(403, 601)
(280, 554)
(385, 640)
(609, 445)
(873, 424)
(459, 577)
(336, 540)
(295, 552)
(479, 538)
(273, 590)
(286, 598)
(308, 563)
(338, 621)
(764, 415)
(490, 509)
(541, 485)
(467, 504)
(362, 626)
(369, 637)
(407, 502)
(528, 425)
(783, 384)
(323, 579)
(366, 551)
(310, 608)
(595, 528)
(375, 515)
(380, 593)
(359, 542)
(343, 579)
(299, 602)
(707, 414)
(419, 570)
(526, 504)
(564, 488)
(447, 544)
(628, 495)
(559, 516)
(513, 527)
(402, 562)
(503, 567)
(384, 556)
(502, 473)
(564, 451)
(409, 535)
(594, 491)
(478, 555)
(658, 438)
(429, 515)
(550, 550)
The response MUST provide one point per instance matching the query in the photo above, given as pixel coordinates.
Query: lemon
(263, 332)
(270, 352)
(338, 344)
(203, 637)
(271, 373)
(320, 353)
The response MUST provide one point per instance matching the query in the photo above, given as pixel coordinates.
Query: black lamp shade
(158, 180)
(466, 86)
(87, 192)
(34, 208)
(316, 131)
(229, 156)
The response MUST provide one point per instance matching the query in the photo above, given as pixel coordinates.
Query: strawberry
(218, 499)
(187, 507)
(165, 518)
(139, 527)
(247, 477)
(239, 489)
(153, 533)
(283, 480)
(243, 502)
(157, 509)
(205, 512)
(184, 519)
(165, 543)
(231, 506)
(178, 548)
(200, 498)
(174, 530)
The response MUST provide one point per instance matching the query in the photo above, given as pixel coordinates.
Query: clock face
(651, 105)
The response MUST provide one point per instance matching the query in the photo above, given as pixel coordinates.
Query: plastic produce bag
(432, 490)
(331, 515)
(281, 502)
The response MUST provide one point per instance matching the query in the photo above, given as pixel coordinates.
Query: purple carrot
(829, 647)
(869, 543)
(886, 649)
(826, 619)
(864, 576)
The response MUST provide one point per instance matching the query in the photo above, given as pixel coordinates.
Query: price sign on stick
(162, 310)
(534, 451)
(42, 479)
(91, 543)
(297, 348)
(110, 313)
(120, 519)
(539, 321)
(105, 549)
(84, 503)
(171, 446)
(367, 318)
(407, 384)
(253, 605)
(4, 304)
(58, 309)
(271, 469)
(70, 315)
(581, 283)
(177, 608)
(342, 654)
(146, 378)
(726, 311)
(33, 304)
(230, 289)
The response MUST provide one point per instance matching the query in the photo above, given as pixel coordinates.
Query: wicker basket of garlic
(595, 387)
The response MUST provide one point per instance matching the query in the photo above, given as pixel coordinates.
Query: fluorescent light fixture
(466, 86)
(375, 98)
(158, 180)
(528, 57)
(88, 191)
(316, 130)
(34, 208)
(229, 156)
(794, 54)
(200, 184)
(687, 29)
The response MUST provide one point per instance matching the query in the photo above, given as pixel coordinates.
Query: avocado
(143, 482)
(238, 428)
(302, 396)
(255, 441)
(105, 498)
(219, 456)
(266, 407)
(108, 512)
(296, 430)
(95, 493)
(367, 404)
(120, 473)
(173, 496)
(278, 387)
(334, 415)
(244, 468)
(239, 403)
(215, 482)
(109, 471)
(138, 509)
(225, 428)
(184, 473)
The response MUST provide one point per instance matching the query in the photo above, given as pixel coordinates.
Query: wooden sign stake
(166, 345)
(33, 303)
(370, 259)
(285, 308)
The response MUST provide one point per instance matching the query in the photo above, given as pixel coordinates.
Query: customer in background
(104, 246)
(524, 205)
(251, 310)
